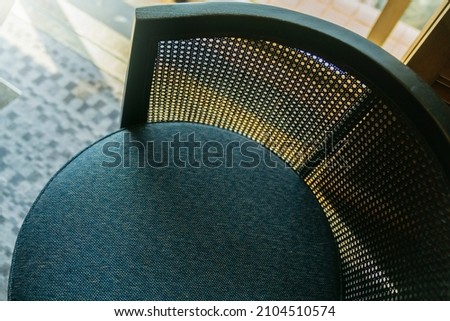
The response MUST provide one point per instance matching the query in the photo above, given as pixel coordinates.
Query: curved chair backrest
(365, 133)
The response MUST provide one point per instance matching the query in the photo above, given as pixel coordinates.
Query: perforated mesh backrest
(284, 98)
(379, 187)
(384, 192)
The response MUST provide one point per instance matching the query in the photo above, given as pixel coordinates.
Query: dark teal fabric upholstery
(109, 230)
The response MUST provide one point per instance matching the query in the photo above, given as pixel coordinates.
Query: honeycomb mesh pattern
(385, 198)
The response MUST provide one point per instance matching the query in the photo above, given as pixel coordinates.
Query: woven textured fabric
(385, 195)
(118, 223)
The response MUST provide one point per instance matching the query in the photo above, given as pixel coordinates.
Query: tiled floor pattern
(65, 104)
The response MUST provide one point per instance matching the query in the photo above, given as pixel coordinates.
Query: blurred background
(62, 70)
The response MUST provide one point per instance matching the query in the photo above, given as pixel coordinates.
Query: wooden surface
(431, 57)
(387, 20)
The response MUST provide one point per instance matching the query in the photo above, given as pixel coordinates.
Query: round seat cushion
(150, 213)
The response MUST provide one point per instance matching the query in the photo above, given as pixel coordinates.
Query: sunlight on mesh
(364, 162)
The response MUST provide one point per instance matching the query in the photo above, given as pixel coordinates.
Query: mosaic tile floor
(65, 103)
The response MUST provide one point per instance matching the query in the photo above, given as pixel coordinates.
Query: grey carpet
(65, 103)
